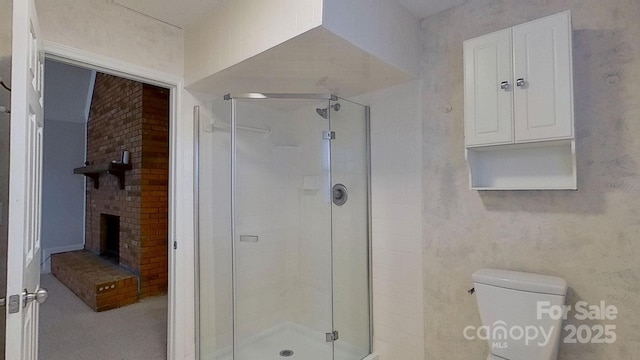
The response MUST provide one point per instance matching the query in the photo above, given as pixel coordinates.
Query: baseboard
(45, 264)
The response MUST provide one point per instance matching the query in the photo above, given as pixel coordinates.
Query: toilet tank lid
(521, 281)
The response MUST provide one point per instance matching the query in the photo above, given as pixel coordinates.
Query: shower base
(305, 343)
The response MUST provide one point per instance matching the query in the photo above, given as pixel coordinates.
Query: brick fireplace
(130, 225)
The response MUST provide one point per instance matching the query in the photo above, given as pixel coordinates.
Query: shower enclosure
(283, 228)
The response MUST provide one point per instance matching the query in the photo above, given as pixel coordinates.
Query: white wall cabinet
(543, 104)
(488, 108)
(519, 101)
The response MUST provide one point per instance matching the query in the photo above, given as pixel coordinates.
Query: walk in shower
(283, 228)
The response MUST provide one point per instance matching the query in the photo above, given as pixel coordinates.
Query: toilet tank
(509, 304)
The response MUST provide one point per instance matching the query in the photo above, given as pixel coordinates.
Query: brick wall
(128, 115)
(154, 184)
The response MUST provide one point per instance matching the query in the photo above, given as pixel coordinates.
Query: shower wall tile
(397, 223)
(261, 267)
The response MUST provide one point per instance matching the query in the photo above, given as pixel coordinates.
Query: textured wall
(107, 29)
(589, 236)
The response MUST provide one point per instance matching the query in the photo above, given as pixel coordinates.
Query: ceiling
(181, 13)
(177, 13)
(426, 8)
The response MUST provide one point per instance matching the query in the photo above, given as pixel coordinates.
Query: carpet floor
(70, 330)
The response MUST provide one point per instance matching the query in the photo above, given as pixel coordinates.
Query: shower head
(323, 112)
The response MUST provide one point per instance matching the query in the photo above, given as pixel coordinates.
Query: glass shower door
(282, 234)
(213, 200)
(283, 230)
(350, 229)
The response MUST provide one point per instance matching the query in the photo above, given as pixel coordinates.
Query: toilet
(521, 313)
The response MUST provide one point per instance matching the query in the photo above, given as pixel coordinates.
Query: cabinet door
(543, 100)
(488, 107)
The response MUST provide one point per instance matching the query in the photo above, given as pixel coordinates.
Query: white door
(25, 171)
(543, 103)
(488, 89)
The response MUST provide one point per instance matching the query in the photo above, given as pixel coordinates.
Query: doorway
(118, 253)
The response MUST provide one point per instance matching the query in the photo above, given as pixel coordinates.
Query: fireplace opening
(110, 237)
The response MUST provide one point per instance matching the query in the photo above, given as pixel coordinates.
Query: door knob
(40, 296)
(520, 82)
(504, 85)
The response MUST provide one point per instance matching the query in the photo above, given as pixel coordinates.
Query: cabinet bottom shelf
(543, 166)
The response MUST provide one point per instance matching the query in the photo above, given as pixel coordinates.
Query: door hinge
(175, 245)
(329, 135)
(332, 336)
(3, 302)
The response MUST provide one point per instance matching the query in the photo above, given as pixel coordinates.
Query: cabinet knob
(504, 85)
(520, 82)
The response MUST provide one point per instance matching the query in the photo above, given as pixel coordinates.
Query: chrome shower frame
(196, 194)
